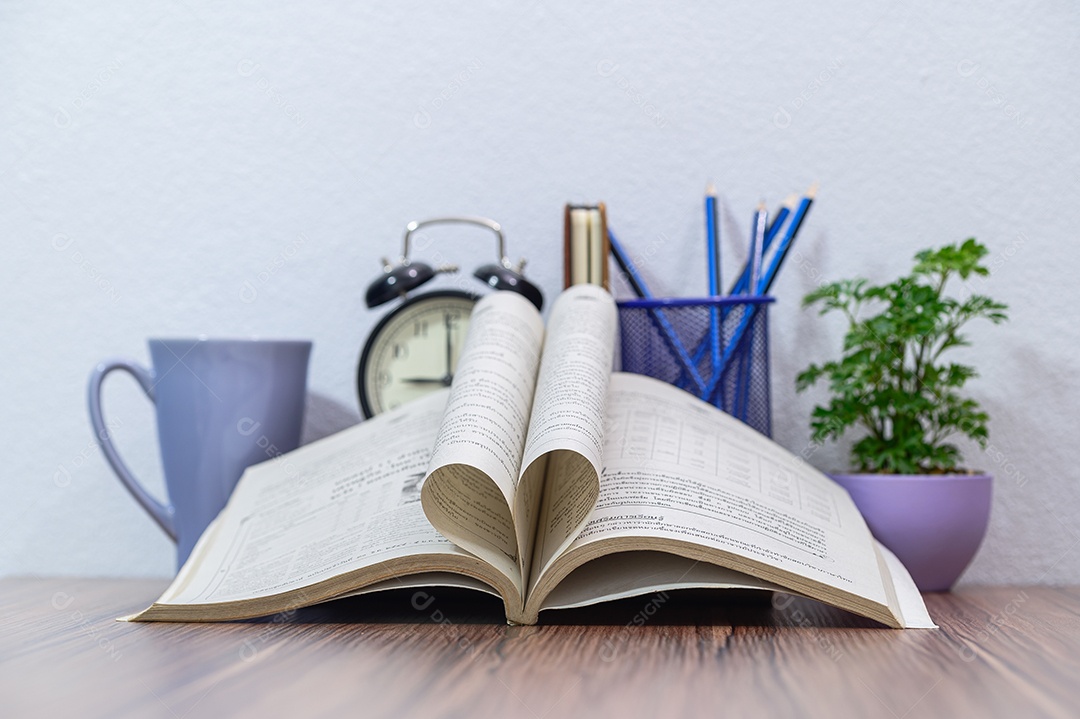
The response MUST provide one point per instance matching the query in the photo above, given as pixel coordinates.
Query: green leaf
(889, 381)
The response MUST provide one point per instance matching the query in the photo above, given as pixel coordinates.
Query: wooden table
(1003, 651)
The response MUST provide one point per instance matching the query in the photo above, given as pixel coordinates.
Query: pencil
(637, 284)
(757, 244)
(712, 230)
(742, 370)
(658, 316)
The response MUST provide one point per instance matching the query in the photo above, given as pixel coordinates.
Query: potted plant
(893, 383)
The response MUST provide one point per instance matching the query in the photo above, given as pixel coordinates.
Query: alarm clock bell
(407, 275)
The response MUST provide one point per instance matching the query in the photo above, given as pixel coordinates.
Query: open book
(544, 478)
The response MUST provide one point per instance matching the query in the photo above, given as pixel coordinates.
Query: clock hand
(424, 380)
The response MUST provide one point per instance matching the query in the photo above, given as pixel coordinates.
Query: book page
(346, 502)
(679, 469)
(472, 478)
(634, 574)
(566, 431)
(423, 580)
(909, 604)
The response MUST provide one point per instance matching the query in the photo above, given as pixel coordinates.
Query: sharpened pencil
(658, 316)
(757, 244)
(712, 231)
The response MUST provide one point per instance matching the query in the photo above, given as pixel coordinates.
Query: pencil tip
(791, 201)
(762, 207)
(813, 190)
(710, 190)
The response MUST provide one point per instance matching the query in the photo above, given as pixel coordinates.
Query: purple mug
(221, 406)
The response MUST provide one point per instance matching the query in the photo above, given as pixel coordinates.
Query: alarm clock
(414, 349)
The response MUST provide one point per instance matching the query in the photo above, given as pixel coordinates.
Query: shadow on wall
(324, 416)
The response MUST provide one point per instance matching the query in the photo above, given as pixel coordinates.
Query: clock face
(414, 350)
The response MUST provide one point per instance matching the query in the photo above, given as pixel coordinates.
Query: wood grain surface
(1002, 651)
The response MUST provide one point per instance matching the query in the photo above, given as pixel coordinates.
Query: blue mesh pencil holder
(671, 340)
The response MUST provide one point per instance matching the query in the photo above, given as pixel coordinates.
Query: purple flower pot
(933, 523)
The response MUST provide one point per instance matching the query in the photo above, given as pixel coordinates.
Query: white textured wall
(158, 162)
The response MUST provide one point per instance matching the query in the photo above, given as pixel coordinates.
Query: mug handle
(162, 513)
